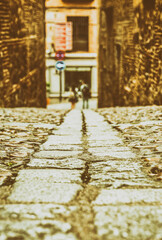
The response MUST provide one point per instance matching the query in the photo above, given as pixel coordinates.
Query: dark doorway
(72, 79)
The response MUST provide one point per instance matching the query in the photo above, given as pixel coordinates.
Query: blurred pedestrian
(85, 94)
(73, 98)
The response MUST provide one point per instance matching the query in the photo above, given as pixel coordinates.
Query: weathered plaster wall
(22, 60)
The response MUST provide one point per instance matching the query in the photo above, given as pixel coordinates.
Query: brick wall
(22, 60)
(129, 53)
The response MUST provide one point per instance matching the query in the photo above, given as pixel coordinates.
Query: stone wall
(129, 53)
(22, 55)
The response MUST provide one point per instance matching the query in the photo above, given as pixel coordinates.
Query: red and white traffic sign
(60, 55)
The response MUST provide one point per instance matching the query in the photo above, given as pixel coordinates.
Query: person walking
(85, 94)
(73, 98)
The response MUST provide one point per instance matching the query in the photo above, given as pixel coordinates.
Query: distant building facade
(22, 53)
(81, 58)
(130, 53)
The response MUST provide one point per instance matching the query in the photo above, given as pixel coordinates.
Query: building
(22, 53)
(81, 53)
(130, 53)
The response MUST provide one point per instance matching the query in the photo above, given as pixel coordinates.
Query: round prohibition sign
(60, 55)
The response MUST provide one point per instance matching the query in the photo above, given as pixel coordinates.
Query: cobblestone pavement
(93, 177)
(22, 131)
(142, 131)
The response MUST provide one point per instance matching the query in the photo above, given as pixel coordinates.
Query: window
(80, 33)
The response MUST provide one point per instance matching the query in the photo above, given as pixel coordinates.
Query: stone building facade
(130, 53)
(81, 59)
(22, 53)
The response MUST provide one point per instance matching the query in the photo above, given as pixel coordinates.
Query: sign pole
(60, 65)
(60, 98)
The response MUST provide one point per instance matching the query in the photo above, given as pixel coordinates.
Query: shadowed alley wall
(22, 55)
(129, 53)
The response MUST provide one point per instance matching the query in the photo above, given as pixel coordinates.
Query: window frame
(76, 41)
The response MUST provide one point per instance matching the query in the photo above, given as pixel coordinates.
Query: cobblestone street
(81, 174)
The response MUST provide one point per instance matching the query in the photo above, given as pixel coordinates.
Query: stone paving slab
(97, 130)
(68, 163)
(129, 222)
(55, 186)
(48, 175)
(56, 154)
(35, 125)
(105, 137)
(114, 154)
(35, 220)
(71, 125)
(105, 182)
(116, 166)
(73, 121)
(37, 229)
(54, 139)
(34, 211)
(129, 196)
(60, 147)
(63, 131)
(109, 148)
(55, 193)
(119, 174)
(103, 143)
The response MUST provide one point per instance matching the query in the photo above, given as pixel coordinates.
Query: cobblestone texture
(142, 131)
(88, 180)
(22, 131)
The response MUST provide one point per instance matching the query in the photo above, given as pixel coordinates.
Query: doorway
(72, 79)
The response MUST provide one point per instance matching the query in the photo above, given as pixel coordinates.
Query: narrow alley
(80, 120)
(85, 182)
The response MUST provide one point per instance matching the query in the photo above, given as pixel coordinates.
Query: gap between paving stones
(141, 128)
(7, 183)
(82, 219)
(85, 220)
(139, 224)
